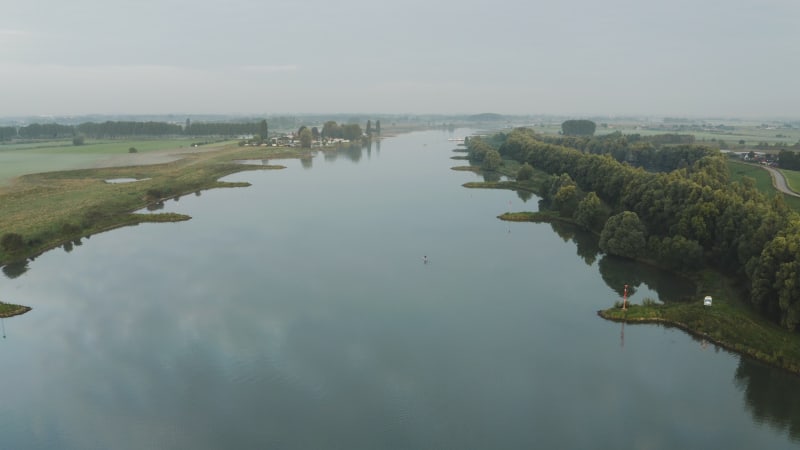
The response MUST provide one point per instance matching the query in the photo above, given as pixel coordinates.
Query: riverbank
(730, 323)
(47, 210)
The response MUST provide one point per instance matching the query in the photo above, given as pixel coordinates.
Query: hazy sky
(573, 57)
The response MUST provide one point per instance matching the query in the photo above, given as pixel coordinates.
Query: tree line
(350, 131)
(672, 204)
(122, 129)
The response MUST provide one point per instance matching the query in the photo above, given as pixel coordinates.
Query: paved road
(779, 181)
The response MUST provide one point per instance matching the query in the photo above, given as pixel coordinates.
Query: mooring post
(625, 298)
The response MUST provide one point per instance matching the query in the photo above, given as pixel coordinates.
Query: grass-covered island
(9, 310)
(676, 207)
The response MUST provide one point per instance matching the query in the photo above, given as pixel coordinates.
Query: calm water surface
(297, 314)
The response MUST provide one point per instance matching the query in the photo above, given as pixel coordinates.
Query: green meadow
(49, 156)
(763, 180)
(49, 209)
(792, 178)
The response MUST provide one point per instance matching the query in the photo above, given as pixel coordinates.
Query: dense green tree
(377, 127)
(305, 138)
(492, 161)
(7, 133)
(477, 148)
(578, 127)
(789, 160)
(566, 200)
(117, 129)
(263, 129)
(552, 185)
(777, 276)
(589, 212)
(369, 128)
(525, 172)
(78, 140)
(351, 131)
(624, 235)
(330, 130)
(676, 252)
(46, 131)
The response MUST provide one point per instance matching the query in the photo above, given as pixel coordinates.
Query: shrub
(69, 228)
(154, 194)
(647, 301)
(132, 150)
(12, 242)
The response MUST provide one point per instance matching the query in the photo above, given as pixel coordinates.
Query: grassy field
(792, 178)
(740, 170)
(53, 208)
(763, 180)
(36, 157)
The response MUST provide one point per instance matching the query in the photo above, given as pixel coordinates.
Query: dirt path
(155, 157)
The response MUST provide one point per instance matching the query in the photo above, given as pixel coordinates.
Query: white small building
(707, 301)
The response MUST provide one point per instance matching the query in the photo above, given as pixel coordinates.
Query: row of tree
(686, 217)
(789, 160)
(662, 153)
(350, 131)
(121, 129)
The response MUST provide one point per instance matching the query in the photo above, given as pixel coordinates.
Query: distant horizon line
(184, 115)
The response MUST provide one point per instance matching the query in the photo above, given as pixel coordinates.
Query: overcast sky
(734, 58)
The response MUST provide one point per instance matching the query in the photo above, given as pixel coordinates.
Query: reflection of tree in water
(352, 152)
(617, 272)
(15, 269)
(586, 242)
(306, 162)
(771, 395)
(524, 195)
(330, 155)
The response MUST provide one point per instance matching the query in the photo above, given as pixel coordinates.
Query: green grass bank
(729, 322)
(54, 208)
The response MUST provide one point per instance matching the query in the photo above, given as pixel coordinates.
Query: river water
(298, 314)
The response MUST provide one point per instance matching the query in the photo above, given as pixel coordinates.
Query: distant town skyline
(579, 58)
